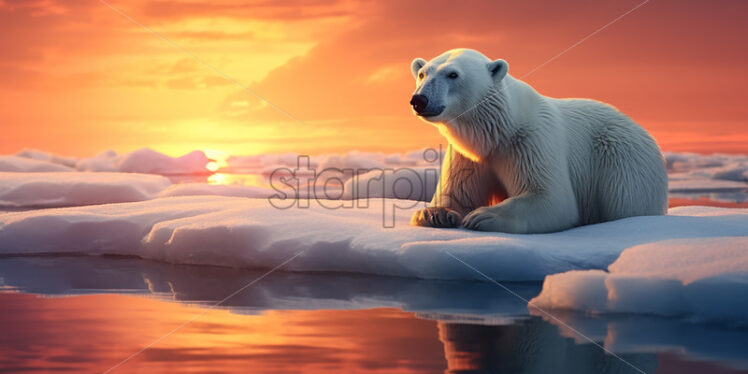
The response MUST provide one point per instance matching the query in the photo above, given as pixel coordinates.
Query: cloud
(638, 64)
(287, 10)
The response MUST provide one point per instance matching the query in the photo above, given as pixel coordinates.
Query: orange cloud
(79, 77)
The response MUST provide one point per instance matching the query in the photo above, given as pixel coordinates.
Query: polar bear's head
(453, 83)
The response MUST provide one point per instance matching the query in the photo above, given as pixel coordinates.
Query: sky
(81, 76)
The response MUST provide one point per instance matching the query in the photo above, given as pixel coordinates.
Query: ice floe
(700, 278)
(364, 236)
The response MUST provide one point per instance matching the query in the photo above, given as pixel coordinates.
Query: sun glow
(219, 159)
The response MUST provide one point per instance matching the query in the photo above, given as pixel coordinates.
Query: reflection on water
(530, 346)
(94, 312)
(94, 333)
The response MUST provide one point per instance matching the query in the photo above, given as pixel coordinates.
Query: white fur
(559, 162)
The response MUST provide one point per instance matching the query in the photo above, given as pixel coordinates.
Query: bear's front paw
(487, 219)
(436, 217)
(479, 219)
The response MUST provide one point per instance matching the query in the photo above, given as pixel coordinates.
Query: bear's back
(616, 167)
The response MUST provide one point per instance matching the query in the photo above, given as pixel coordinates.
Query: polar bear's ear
(416, 65)
(498, 69)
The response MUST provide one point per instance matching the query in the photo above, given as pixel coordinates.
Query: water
(89, 314)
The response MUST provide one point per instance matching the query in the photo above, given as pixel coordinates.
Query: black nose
(419, 102)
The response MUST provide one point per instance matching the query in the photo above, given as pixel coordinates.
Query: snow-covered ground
(693, 262)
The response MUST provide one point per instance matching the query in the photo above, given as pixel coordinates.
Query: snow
(54, 189)
(198, 189)
(353, 236)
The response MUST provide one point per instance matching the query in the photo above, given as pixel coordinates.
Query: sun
(219, 159)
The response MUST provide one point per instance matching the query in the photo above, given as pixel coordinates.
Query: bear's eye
(452, 75)
(420, 76)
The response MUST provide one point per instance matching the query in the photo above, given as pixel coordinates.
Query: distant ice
(24, 164)
(716, 166)
(48, 157)
(411, 175)
(360, 162)
(417, 183)
(695, 185)
(54, 189)
(144, 160)
(343, 236)
(147, 161)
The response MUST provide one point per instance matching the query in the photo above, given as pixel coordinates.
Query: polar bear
(521, 162)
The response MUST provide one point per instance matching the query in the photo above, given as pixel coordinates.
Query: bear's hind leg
(632, 180)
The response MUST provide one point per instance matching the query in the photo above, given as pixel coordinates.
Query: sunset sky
(77, 77)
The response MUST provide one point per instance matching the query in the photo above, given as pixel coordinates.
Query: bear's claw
(477, 219)
(436, 217)
(489, 219)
